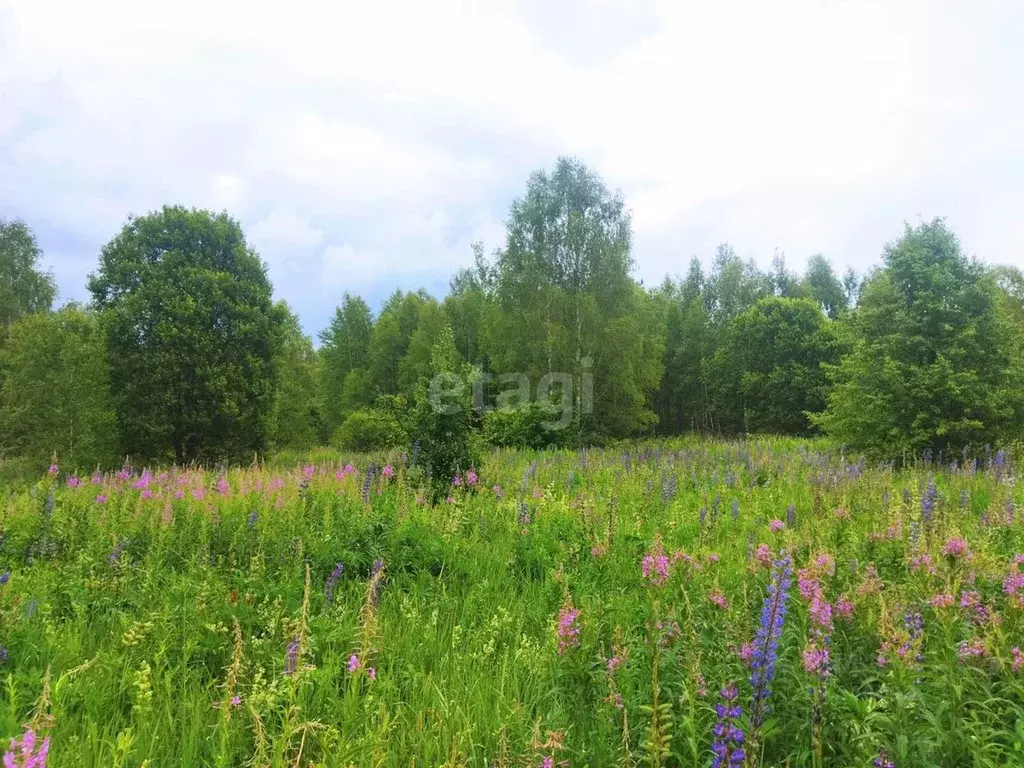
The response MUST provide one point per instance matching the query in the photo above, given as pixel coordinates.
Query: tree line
(183, 355)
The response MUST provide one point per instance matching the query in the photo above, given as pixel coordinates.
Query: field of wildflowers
(767, 603)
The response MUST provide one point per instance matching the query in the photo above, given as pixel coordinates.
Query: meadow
(760, 603)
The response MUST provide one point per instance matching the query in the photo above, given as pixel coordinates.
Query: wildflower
(746, 652)
(471, 478)
(73, 482)
(54, 469)
(613, 663)
(942, 601)
(23, 753)
(115, 555)
(928, 502)
(332, 580)
(308, 471)
(371, 673)
(972, 649)
(815, 660)
(655, 565)
(97, 478)
(254, 517)
(776, 525)
(354, 665)
(955, 547)
(291, 657)
(568, 629)
(1018, 658)
(883, 761)
(457, 481)
(236, 701)
(101, 499)
(388, 471)
(3, 655)
(842, 513)
(719, 599)
(222, 486)
(735, 509)
(844, 608)
(498, 493)
(538, 493)
(791, 515)
(766, 640)
(728, 744)
(924, 563)
(598, 550)
(763, 554)
(5, 577)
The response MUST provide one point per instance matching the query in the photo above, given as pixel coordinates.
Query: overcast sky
(365, 145)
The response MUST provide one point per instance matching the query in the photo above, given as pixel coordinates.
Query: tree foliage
(24, 286)
(932, 366)
(56, 400)
(191, 336)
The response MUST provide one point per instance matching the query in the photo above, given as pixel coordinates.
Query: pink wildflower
(236, 701)
(1018, 658)
(471, 478)
(763, 554)
(718, 598)
(655, 565)
(776, 525)
(844, 608)
(943, 601)
(353, 663)
(457, 481)
(568, 629)
(388, 471)
(955, 547)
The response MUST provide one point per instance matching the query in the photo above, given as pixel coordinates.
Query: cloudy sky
(365, 145)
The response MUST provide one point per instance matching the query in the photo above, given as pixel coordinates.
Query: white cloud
(369, 143)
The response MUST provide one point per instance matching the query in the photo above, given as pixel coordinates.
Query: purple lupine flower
(332, 580)
(115, 555)
(735, 509)
(928, 502)
(766, 640)
(883, 761)
(791, 515)
(3, 655)
(291, 657)
(367, 480)
(5, 577)
(728, 743)
(23, 754)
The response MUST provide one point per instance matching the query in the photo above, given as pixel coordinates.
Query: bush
(525, 427)
(369, 429)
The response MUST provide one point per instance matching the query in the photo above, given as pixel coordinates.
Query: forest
(183, 354)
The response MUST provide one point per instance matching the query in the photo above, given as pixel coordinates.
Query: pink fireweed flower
(457, 481)
(568, 631)
(147, 494)
(871, 585)
(763, 554)
(746, 652)
(1013, 586)
(198, 494)
(942, 601)
(815, 659)
(179, 494)
(1018, 559)
(713, 557)
(844, 608)
(353, 663)
(23, 754)
(718, 598)
(308, 471)
(613, 664)
(236, 701)
(54, 469)
(371, 673)
(471, 478)
(842, 513)
(924, 563)
(972, 649)
(450, 500)
(776, 525)
(956, 548)
(101, 499)
(1018, 658)
(222, 486)
(496, 490)
(821, 613)
(97, 478)
(388, 471)
(73, 482)
(655, 565)
(538, 493)
(824, 564)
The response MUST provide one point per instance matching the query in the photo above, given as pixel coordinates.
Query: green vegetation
(583, 607)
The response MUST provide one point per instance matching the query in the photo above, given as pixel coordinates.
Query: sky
(365, 146)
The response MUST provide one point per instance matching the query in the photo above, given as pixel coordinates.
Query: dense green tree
(24, 286)
(415, 363)
(822, 285)
(932, 364)
(345, 383)
(191, 336)
(56, 398)
(443, 417)
(567, 304)
(389, 341)
(296, 420)
(768, 372)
